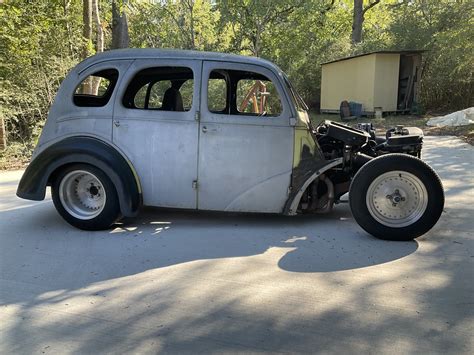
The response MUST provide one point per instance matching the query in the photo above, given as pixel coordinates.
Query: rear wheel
(85, 197)
(396, 197)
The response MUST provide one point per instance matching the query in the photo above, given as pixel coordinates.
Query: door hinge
(197, 115)
(195, 184)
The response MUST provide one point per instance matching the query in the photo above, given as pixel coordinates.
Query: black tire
(110, 211)
(374, 169)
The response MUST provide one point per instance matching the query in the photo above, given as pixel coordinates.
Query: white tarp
(458, 118)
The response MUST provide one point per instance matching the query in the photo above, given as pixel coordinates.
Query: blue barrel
(356, 108)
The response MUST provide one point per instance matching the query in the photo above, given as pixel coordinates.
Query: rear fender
(86, 150)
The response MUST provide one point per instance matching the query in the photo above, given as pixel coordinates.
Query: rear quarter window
(96, 89)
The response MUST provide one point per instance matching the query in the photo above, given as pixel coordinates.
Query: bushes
(41, 40)
(37, 52)
(445, 30)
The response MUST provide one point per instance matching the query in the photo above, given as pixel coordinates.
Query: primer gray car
(211, 131)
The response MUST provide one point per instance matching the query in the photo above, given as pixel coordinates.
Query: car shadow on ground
(47, 251)
(68, 268)
(313, 243)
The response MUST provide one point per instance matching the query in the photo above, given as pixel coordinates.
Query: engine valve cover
(404, 136)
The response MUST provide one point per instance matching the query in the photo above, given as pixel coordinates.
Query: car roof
(149, 53)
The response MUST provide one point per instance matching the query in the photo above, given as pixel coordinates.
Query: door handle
(116, 123)
(205, 129)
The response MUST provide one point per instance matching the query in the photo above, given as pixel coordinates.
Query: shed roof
(412, 51)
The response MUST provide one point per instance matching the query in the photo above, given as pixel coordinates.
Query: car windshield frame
(297, 99)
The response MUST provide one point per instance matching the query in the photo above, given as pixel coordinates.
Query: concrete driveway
(182, 282)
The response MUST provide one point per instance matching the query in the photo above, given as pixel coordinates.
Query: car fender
(320, 168)
(87, 150)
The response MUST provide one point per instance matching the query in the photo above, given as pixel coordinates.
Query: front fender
(87, 150)
(303, 179)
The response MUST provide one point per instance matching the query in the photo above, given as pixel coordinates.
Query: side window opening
(251, 94)
(96, 89)
(258, 97)
(217, 92)
(161, 88)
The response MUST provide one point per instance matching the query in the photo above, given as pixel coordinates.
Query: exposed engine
(336, 140)
(356, 146)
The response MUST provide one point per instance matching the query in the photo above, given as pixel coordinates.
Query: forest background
(40, 41)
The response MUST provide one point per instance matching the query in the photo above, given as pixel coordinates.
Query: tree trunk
(193, 40)
(87, 34)
(358, 18)
(120, 37)
(256, 41)
(66, 4)
(3, 135)
(87, 26)
(357, 21)
(99, 44)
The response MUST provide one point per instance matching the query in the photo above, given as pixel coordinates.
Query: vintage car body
(188, 155)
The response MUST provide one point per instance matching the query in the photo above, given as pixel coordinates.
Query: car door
(155, 126)
(245, 157)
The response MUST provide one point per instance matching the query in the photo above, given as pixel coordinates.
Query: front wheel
(396, 197)
(85, 197)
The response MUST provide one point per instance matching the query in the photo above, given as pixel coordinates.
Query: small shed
(383, 80)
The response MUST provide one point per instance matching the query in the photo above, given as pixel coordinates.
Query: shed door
(155, 126)
(245, 139)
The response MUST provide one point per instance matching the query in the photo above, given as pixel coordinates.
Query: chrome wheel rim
(397, 199)
(82, 194)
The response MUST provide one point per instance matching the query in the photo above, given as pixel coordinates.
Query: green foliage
(37, 49)
(250, 20)
(41, 40)
(316, 32)
(184, 24)
(446, 30)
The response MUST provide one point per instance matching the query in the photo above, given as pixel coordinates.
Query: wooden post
(3, 135)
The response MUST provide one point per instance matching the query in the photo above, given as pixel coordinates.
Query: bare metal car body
(194, 158)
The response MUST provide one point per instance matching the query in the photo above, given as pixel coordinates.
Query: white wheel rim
(82, 194)
(397, 199)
